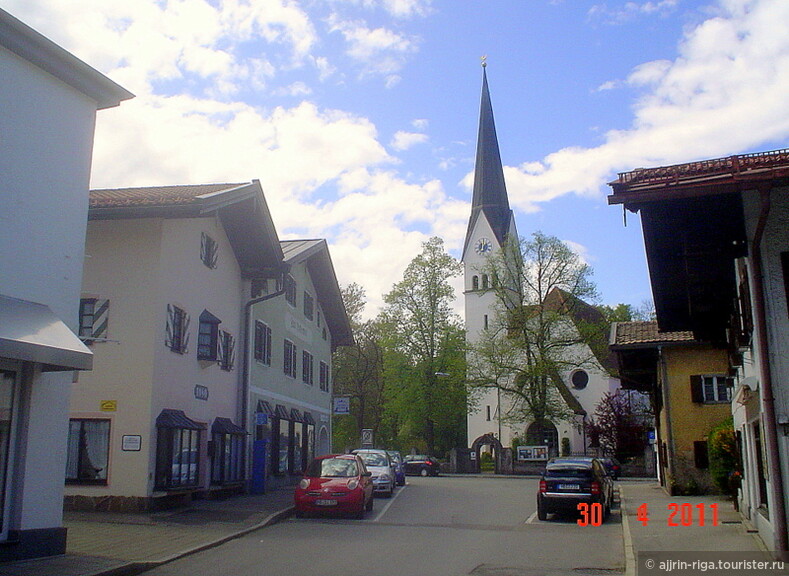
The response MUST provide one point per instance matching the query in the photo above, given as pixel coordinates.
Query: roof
(315, 254)
(39, 50)
(241, 208)
(490, 191)
(31, 332)
(645, 335)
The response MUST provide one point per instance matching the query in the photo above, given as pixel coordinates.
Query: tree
(619, 424)
(359, 373)
(426, 367)
(542, 328)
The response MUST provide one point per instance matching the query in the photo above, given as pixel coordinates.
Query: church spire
(490, 193)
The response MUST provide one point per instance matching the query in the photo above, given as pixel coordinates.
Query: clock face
(483, 246)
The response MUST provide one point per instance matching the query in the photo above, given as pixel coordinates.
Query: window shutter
(100, 318)
(231, 351)
(696, 389)
(220, 348)
(168, 339)
(185, 334)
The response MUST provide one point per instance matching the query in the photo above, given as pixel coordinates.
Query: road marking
(394, 497)
(532, 518)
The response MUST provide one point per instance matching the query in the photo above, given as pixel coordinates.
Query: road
(449, 526)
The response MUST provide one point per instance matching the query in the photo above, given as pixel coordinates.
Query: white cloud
(379, 50)
(404, 140)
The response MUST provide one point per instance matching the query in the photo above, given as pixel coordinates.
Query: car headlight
(353, 484)
(304, 484)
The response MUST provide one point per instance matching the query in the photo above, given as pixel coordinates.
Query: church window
(485, 321)
(485, 283)
(475, 283)
(579, 379)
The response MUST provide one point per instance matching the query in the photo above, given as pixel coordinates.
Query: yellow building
(691, 394)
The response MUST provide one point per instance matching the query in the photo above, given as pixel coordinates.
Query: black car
(568, 482)
(420, 465)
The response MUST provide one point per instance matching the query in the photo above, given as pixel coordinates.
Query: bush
(724, 459)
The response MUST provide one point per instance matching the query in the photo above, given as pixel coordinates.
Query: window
(280, 448)
(306, 368)
(227, 354)
(88, 451)
(309, 306)
(93, 318)
(227, 452)
(290, 290)
(475, 282)
(177, 329)
(208, 250)
(711, 389)
(485, 322)
(177, 451)
(580, 379)
(485, 283)
(297, 444)
(289, 366)
(8, 395)
(208, 337)
(262, 343)
(324, 376)
(487, 413)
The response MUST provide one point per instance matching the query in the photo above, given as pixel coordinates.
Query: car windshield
(332, 468)
(567, 472)
(373, 459)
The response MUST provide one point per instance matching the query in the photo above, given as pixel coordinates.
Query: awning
(176, 419)
(281, 412)
(295, 415)
(265, 408)
(32, 333)
(308, 419)
(226, 426)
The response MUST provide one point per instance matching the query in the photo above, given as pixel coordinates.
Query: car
(380, 464)
(421, 465)
(337, 484)
(568, 482)
(612, 466)
(399, 469)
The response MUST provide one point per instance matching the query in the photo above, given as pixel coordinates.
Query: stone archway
(543, 433)
(496, 447)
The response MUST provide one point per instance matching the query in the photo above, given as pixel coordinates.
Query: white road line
(530, 519)
(394, 497)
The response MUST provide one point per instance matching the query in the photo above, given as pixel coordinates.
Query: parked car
(420, 465)
(379, 463)
(399, 469)
(338, 483)
(612, 466)
(568, 482)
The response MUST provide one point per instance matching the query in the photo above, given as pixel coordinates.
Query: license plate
(569, 486)
(324, 502)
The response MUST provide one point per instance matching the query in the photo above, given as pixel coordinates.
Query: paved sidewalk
(730, 535)
(113, 544)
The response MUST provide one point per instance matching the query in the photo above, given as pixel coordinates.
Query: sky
(359, 117)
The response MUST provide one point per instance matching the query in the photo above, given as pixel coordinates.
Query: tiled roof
(635, 333)
(154, 195)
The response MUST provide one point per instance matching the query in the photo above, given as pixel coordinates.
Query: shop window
(280, 449)
(296, 457)
(177, 331)
(208, 337)
(309, 306)
(289, 365)
(262, 343)
(88, 451)
(290, 290)
(227, 452)
(306, 367)
(177, 451)
(209, 250)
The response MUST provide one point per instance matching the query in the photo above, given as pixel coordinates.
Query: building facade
(48, 104)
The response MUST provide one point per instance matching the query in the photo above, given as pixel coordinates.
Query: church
(491, 426)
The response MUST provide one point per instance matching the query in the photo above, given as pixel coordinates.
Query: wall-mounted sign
(532, 453)
(131, 443)
(261, 418)
(342, 405)
(201, 392)
(109, 405)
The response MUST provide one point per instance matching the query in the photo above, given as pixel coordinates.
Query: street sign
(367, 438)
(342, 405)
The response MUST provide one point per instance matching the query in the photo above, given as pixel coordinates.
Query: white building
(490, 226)
(48, 104)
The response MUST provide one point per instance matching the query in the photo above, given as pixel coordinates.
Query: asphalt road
(432, 526)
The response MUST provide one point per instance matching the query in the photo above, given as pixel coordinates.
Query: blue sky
(359, 117)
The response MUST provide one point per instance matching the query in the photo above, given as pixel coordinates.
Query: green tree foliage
(540, 325)
(723, 455)
(425, 352)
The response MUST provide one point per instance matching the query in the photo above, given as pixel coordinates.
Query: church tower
(491, 224)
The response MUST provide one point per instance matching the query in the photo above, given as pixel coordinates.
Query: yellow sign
(109, 405)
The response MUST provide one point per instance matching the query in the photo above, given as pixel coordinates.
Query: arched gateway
(495, 448)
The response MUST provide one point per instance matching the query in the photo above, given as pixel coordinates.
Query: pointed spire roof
(490, 192)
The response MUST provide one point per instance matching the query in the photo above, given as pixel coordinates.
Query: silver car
(380, 464)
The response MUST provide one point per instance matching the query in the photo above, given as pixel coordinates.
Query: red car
(338, 484)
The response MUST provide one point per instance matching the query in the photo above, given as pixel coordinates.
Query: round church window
(580, 379)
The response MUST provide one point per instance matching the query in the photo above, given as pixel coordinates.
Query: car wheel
(542, 514)
(369, 505)
(423, 472)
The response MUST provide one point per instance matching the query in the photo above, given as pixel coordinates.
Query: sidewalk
(110, 544)
(730, 535)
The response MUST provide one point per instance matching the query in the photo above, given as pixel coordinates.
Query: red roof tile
(154, 195)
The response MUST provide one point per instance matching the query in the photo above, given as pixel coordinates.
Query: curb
(134, 568)
(630, 557)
